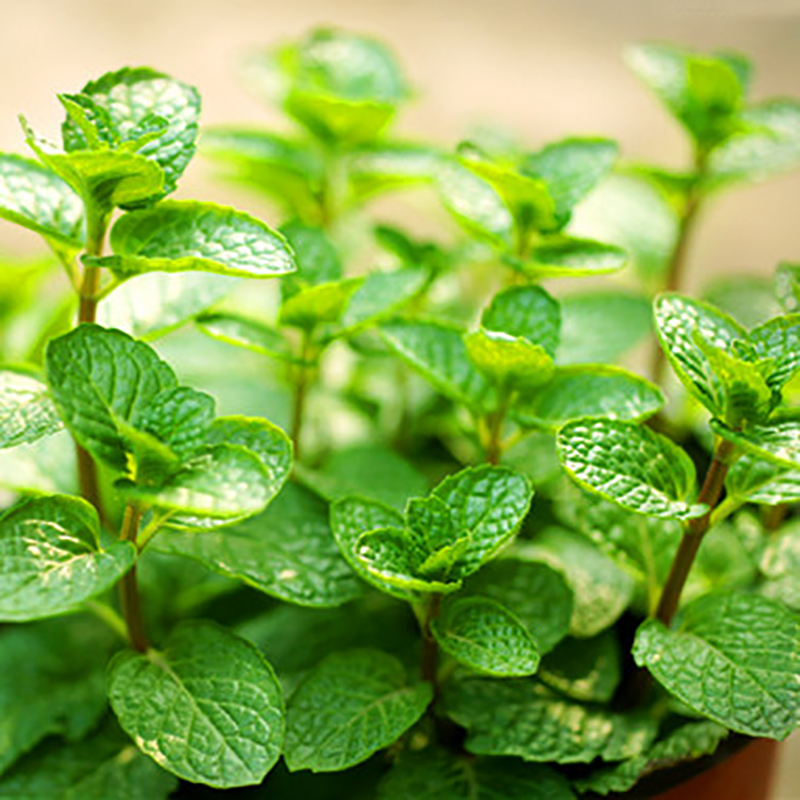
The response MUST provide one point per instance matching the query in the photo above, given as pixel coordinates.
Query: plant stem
(495, 422)
(301, 383)
(429, 665)
(128, 591)
(696, 530)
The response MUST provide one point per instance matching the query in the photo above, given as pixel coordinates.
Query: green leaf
(588, 670)
(568, 257)
(105, 765)
(522, 718)
(98, 376)
(535, 593)
(52, 560)
(316, 257)
(353, 517)
(780, 564)
(381, 294)
(571, 168)
(485, 636)
(689, 742)
(434, 774)
(589, 391)
(288, 552)
(778, 339)
(512, 363)
(476, 206)
(778, 442)
(787, 286)
(601, 590)
(602, 326)
(437, 351)
(384, 166)
(131, 98)
(525, 311)
(52, 683)
(186, 235)
(749, 299)
(36, 198)
(158, 302)
(630, 465)
(733, 658)
(226, 723)
(46, 466)
(251, 334)
(27, 412)
(759, 481)
(352, 705)
(766, 144)
(321, 304)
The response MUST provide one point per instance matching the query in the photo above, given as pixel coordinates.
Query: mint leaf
(602, 326)
(432, 774)
(749, 299)
(316, 257)
(535, 593)
(589, 391)
(511, 363)
(733, 658)
(630, 465)
(287, 551)
(525, 311)
(437, 351)
(780, 564)
(689, 742)
(27, 412)
(38, 199)
(759, 481)
(251, 334)
(352, 705)
(568, 257)
(522, 718)
(380, 295)
(321, 304)
(778, 442)
(181, 235)
(107, 764)
(227, 724)
(131, 99)
(384, 166)
(52, 558)
(601, 590)
(485, 636)
(778, 339)
(97, 376)
(46, 466)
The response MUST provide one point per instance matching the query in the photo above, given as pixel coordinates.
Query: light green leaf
(588, 670)
(787, 286)
(512, 363)
(227, 722)
(287, 551)
(780, 564)
(186, 235)
(601, 590)
(682, 324)
(686, 743)
(97, 376)
(47, 466)
(105, 765)
(321, 304)
(567, 257)
(315, 255)
(571, 168)
(485, 636)
(759, 481)
(535, 593)
(589, 391)
(251, 334)
(52, 683)
(52, 560)
(433, 774)
(523, 718)
(778, 442)
(602, 326)
(352, 705)
(733, 658)
(384, 166)
(27, 412)
(630, 465)
(437, 351)
(381, 294)
(525, 311)
(158, 302)
(475, 205)
(749, 299)
(768, 143)
(778, 339)
(36, 198)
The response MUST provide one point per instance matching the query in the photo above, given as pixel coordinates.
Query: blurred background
(538, 69)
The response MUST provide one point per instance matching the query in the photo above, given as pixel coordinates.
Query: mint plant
(476, 565)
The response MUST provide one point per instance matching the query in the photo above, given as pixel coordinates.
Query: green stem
(114, 621)
(302, 380)
(494, 424)
(151, 529)
(128, 590)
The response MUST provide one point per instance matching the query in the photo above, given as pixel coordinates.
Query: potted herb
(486, 560)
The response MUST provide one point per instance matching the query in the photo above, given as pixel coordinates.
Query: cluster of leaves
(364, 596)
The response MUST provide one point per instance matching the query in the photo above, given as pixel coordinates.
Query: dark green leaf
(227, 721)
(733, 658)
(27, 412)
(352, 705)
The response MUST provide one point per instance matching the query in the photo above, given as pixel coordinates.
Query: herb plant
(481, 563)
